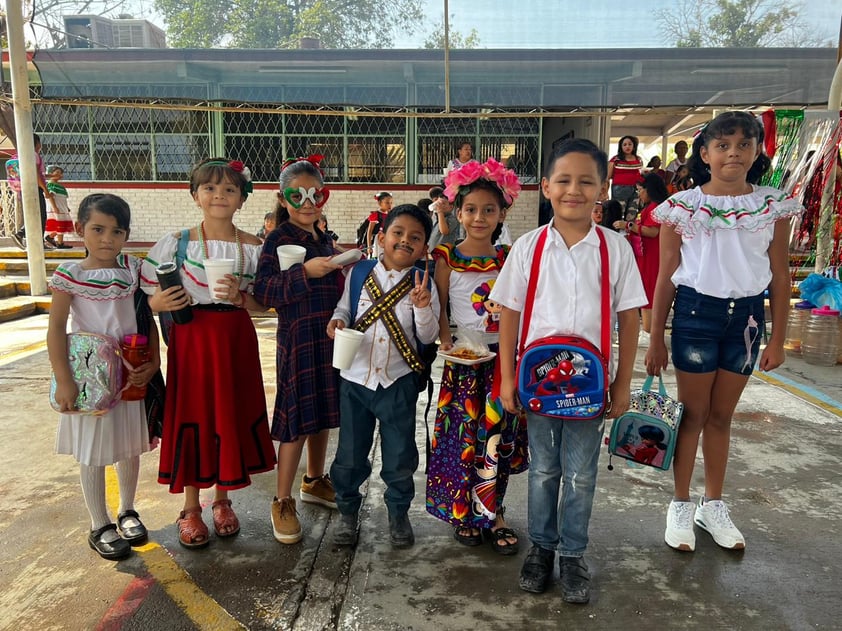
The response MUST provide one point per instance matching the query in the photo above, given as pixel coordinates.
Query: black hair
(413, 211)
(620, 154)
(36, 139)
(107, 204)
(436, 192)
(288, 174)
(650, 432)
(382, 195)
(424, 204)
(216, 170)
(655, 188)
(652, 159)
(725, 124)
(612, 211)
(463, 143)
(578, 145)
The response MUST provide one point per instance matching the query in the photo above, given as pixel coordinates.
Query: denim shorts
(710, 333)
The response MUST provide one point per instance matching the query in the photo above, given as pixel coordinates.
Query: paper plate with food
(467, 356)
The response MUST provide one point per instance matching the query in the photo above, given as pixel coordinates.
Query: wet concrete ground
(784, 486)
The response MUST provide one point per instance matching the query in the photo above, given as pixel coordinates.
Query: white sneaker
(679, 533)
(713, 517)
(642, 339)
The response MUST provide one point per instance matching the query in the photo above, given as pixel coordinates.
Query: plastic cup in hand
(289, 255)
(216, 269)
(345, 346)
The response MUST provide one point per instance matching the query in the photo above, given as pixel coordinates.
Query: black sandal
(499, 541)
(467, 539)
(111, 550)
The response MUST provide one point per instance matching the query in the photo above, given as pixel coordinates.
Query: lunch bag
(647, 433)
(96, 365)
(563, 376)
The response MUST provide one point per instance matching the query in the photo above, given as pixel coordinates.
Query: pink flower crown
(504, 179)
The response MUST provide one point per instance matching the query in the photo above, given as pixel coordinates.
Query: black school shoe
(575, 580)
(135, 535)
(346, 530)
(111, 550)
(537, 570)
(400, 531)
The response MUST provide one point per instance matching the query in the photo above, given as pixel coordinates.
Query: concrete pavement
(784, 487)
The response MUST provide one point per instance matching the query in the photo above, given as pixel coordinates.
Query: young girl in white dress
(97, 293)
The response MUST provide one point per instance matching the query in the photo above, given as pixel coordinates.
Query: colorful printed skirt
(476, 445)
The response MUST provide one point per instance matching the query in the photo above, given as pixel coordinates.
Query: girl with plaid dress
(304, 296)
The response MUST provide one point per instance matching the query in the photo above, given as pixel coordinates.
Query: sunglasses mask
(296, 197)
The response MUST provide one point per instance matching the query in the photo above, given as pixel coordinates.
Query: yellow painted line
(202, 610)
(800, 393)
(22, 352)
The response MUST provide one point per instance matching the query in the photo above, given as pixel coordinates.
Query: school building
(133, 120)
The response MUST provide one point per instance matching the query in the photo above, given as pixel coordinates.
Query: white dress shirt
(568, 295)
(378, 362)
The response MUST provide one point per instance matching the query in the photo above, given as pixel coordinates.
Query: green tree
(281, 23)
(435, 39)
(736, 24)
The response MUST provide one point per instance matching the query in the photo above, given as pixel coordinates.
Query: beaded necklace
(240, 261)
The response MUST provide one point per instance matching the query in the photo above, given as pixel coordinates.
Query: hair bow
(315, 160)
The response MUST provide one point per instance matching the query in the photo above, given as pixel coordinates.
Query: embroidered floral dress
(475, 444)
(102, 302)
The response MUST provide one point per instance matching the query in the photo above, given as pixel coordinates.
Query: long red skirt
(216, 431)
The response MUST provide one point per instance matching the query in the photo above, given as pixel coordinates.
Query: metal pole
(446, 59)
(26, 148)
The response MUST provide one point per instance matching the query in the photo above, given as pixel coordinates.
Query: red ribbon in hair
(314, 159)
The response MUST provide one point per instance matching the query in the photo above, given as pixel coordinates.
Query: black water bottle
(168, 276)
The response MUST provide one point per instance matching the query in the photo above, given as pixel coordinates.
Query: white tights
(93, 490)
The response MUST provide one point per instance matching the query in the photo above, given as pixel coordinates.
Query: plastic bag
(821, 290)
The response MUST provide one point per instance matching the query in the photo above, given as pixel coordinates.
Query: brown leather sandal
(192, 531)
(225, 522)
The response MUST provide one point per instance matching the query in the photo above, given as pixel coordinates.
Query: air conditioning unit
(138, 34)
(95, 31)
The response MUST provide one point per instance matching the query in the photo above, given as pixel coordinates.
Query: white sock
(92, 479)
(127, 474)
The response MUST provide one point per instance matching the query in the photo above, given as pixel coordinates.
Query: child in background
(215, 427)
(676, 163)
(445, 223)
(567, 451)
(59, 221)
(469, 492)
(381, 383)
(269, 223)
(375, 223)
(718, 307)
(97, 293)
(624, 171)
(652, 192)
(307, 398)
(323, 226)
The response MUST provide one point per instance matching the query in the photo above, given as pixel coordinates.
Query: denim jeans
(563, 456)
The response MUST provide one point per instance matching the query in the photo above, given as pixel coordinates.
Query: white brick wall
(159, 210)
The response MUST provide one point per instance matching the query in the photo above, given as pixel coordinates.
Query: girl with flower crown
(304, 296)
(215, 427)
(476, 445)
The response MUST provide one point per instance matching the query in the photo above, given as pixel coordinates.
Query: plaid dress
(307, 399)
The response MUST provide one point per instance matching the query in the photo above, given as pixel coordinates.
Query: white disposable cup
(215, 270)
(345, 346)
(289, 255)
